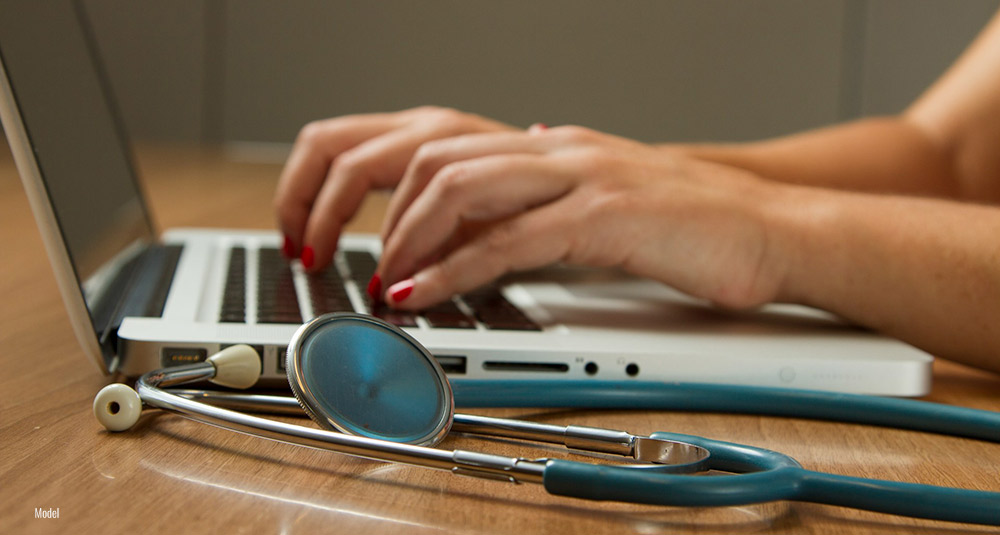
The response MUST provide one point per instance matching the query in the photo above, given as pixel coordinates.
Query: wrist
(802, 242)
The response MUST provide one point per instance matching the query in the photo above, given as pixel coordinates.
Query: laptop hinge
(144, 285)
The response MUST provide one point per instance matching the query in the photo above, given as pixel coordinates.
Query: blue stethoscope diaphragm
(364, 377)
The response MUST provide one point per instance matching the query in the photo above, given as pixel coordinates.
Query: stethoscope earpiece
(117, 407)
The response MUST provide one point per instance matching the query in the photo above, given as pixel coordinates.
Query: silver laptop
(138, 302)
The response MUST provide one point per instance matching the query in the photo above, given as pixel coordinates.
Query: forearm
(925, 271)
(884, 155)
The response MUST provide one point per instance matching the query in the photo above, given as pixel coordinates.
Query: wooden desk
(173, 475)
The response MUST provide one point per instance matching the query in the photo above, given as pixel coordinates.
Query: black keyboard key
(234, 293)
(399, 318)
(276, 298)
(448, 315)
(445, 320)
(327, 293)
(235, 317)
(361, 266)
(494, 311)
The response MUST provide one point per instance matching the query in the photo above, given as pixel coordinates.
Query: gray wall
(256, 70)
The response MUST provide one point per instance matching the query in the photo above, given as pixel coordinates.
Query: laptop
(139, 300)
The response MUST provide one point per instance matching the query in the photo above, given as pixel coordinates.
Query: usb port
(451, 364)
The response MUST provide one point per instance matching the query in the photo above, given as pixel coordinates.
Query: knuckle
(575, 133)
(349, 161)
(446, 114)
(351, 165)
(448, 121)
(451, 180)
(500, 238)
(428, 109)
(593, 162)
(312, 133)
(427, 156)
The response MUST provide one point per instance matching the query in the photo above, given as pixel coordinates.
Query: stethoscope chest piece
(365, 377)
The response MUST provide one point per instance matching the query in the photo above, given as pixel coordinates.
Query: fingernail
(308, 257)
(401, 290)
(288, 248)
(375, 288)
(537, 127)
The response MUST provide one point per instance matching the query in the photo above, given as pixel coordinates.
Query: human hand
(335, 162)
(573, 195)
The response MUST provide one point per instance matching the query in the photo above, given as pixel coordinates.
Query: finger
(537, 128)
(431, 157)
(376, 163)
(316, 147)
(531, 240)
(483, 189)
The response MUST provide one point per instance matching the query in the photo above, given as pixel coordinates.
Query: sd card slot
(515, 366)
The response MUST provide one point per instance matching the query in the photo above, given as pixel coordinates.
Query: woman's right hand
(335, 162)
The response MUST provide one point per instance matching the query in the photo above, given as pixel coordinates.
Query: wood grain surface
(171, 475)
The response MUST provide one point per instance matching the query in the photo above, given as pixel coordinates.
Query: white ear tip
(236, 366)
(117, 407)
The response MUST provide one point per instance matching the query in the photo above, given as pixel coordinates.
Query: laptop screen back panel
(70, 151)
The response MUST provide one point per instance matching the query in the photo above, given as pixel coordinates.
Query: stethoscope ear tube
(840, 407)
(774, 477)
(608, 483)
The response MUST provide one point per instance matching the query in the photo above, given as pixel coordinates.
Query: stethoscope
(377, 393)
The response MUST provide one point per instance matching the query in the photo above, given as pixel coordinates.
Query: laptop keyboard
(277, 301)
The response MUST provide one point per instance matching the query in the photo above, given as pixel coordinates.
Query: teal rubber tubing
(871, 410)
(776, 476)
(604, 482)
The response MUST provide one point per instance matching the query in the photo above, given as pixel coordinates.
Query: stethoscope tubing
(775, 477)
(833, 406)
(793, 484)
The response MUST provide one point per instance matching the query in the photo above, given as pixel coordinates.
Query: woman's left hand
(471, 208)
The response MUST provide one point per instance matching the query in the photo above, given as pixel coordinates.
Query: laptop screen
(63, 99)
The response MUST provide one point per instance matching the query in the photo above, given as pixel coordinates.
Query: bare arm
(946, 144)
(926, 271)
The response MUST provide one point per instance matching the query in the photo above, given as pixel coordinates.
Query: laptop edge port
(513, 366)
(451, 364)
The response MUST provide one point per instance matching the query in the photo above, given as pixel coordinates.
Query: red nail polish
(288, 248)
(308, 257)
(375, 288)
(401, 290)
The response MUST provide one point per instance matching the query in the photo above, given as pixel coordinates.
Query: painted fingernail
(308, 257)
(537, 127)
(401, 290)
(375, 288)
(288, 248)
